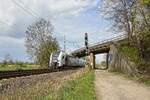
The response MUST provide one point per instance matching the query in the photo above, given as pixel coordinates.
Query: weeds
(81, 88)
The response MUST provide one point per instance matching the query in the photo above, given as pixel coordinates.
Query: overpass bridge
(97, 48)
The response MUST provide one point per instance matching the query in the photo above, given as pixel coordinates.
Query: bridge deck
(100, 47)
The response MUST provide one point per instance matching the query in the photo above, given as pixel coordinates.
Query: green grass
(130, 52)
(18, 67)
(144, 79)
(81, 88)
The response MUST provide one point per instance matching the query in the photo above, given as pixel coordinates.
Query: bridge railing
(115, 38)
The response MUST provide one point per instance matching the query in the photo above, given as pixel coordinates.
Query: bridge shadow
(101, 68)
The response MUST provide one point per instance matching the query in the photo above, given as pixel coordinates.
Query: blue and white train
(60, 59)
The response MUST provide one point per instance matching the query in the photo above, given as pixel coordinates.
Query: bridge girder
(100, 47)
(94, 50)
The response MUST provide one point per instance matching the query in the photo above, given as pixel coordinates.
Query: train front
(54, 59)
(57, 59)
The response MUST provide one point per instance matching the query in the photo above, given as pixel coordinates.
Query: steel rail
(18, 73)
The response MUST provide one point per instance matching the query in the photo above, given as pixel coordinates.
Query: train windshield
(55, 55)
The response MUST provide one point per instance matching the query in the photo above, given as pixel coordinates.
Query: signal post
(90, 56)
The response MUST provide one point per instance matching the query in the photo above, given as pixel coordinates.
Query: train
(60, 59)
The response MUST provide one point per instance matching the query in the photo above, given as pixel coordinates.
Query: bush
(4, 64)
(20, 64)
(130, 52)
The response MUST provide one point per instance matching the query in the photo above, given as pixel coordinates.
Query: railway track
(19, 73)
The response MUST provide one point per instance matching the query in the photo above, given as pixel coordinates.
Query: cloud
(14, 19)
(70, 6)
(5, 39)
(70, 17)
(14, 47)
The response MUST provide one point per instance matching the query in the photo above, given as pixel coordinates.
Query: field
(18, 67)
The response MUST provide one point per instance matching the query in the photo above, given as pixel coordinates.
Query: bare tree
(132, 17)
(39, 41)
(121, 14)
(8, 58)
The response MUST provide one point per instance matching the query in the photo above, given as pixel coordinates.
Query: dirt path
(110, 86)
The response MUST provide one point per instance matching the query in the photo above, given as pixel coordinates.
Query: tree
(45, 51)
(8, 59)
(39, 41)
(120, 13)
(143, 28)
(131, 17)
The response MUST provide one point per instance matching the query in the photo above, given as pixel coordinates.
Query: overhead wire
(8, 23)
(31, 13)
(29, 8)
(20, 4)
(75, 44)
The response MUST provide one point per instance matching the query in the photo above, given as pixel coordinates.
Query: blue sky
(70, 17)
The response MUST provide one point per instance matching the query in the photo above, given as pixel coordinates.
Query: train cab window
(62, 57)
(55, 55)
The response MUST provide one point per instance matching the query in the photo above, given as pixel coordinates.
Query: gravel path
(110, 86)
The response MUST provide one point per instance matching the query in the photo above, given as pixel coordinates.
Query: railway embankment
(37, 87)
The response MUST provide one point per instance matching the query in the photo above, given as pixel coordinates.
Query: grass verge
(81, 88)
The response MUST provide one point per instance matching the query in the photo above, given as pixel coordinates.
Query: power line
(68, 42)
(9, 24)
(75, 44)
(25, 9)
(29, 8)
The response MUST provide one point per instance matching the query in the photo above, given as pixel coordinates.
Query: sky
(70, 18)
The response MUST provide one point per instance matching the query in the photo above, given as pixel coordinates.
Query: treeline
(133, 18)
(9, 61)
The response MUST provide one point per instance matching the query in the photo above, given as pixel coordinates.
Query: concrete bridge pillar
(107, 62)
(92, 60)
